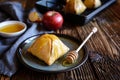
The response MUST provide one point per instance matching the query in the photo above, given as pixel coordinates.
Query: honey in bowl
(11, 28)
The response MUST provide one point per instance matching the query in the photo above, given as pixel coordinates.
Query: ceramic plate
(38, 65)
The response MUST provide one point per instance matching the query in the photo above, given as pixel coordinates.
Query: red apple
(52, 20)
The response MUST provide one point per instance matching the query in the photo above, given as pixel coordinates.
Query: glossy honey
(11, 28)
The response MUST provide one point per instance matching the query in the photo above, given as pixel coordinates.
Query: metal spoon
(73, 55)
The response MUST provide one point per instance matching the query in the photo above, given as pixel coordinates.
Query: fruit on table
(74, 6)
(92, 3)
(34, 17)
(52, 20)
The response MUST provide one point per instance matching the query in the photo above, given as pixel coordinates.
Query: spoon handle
(94, 30)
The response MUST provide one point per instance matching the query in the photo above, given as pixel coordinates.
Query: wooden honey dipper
(73, 55)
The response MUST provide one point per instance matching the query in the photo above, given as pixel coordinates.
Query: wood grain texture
(106, 43)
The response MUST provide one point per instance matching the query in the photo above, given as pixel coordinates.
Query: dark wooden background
(106, 43)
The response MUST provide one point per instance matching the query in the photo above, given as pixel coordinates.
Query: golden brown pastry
(74, 6)
(92, 3)
(48, 48)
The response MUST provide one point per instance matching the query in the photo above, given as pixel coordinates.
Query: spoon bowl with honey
(12, 28)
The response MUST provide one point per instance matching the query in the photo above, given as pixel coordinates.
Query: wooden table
(105, 42)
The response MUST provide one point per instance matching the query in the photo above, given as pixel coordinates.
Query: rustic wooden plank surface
(105, 43)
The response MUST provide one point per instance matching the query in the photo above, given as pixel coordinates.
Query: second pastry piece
(92, 3)
(74, 7)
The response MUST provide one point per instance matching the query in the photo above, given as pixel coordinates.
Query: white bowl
(20, 24)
